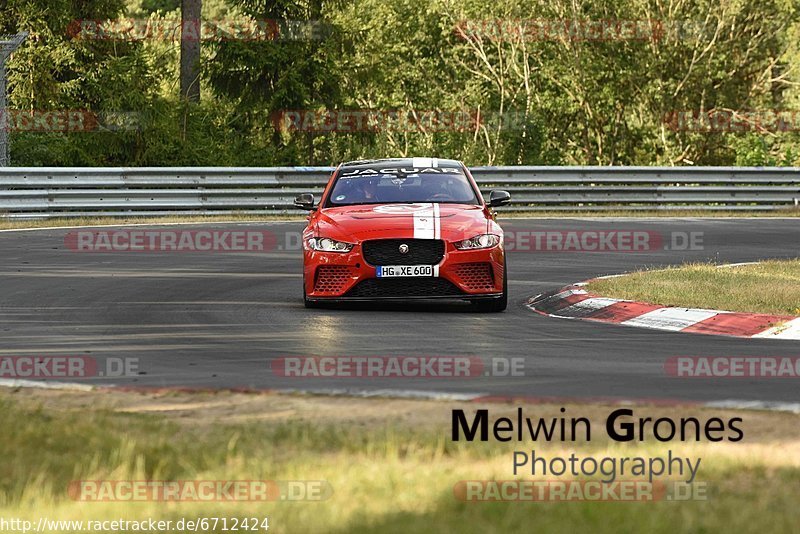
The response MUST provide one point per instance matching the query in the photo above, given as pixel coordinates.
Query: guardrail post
(8, 43)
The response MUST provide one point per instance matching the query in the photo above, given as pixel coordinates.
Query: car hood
(451, 222)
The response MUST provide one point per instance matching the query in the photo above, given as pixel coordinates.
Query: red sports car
(399, 229)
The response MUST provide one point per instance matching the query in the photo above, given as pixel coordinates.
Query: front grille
(475, 276)
(404, 287)
(332, 278)
(387, 251)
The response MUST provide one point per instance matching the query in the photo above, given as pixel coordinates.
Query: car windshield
(369, 186)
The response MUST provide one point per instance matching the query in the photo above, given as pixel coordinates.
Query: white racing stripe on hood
(428, 222)
(437, 222)
(424, 223)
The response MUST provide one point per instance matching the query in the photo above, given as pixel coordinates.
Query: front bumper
(462, 274)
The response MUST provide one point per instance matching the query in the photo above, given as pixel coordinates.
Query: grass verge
(663, 213)
(767, 287)
(22, 224)
(390, 463)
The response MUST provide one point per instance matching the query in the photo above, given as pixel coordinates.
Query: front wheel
(496, 304)
(306, 302)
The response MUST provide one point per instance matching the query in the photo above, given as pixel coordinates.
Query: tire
(497, 304)
(306, 302)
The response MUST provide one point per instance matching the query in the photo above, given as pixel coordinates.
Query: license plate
(395, 271)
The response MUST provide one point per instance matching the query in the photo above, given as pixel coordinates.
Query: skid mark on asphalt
(103, 348)
(159, 335)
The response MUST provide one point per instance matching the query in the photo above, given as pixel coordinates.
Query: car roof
(399, 163)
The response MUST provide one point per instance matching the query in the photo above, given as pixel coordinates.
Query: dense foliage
(566, 98)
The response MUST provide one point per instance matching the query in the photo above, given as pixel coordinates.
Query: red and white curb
(575, 302)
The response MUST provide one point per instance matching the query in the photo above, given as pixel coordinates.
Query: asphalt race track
(216, 320)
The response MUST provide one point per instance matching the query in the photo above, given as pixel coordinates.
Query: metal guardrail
(44, 192)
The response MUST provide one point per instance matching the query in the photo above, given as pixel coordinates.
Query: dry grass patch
(768, 287)
(389, 462)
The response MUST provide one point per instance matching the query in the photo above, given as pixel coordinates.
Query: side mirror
(499, 198)
(304, 201)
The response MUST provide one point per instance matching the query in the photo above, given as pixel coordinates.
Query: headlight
(326, 244)
(479, 241)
